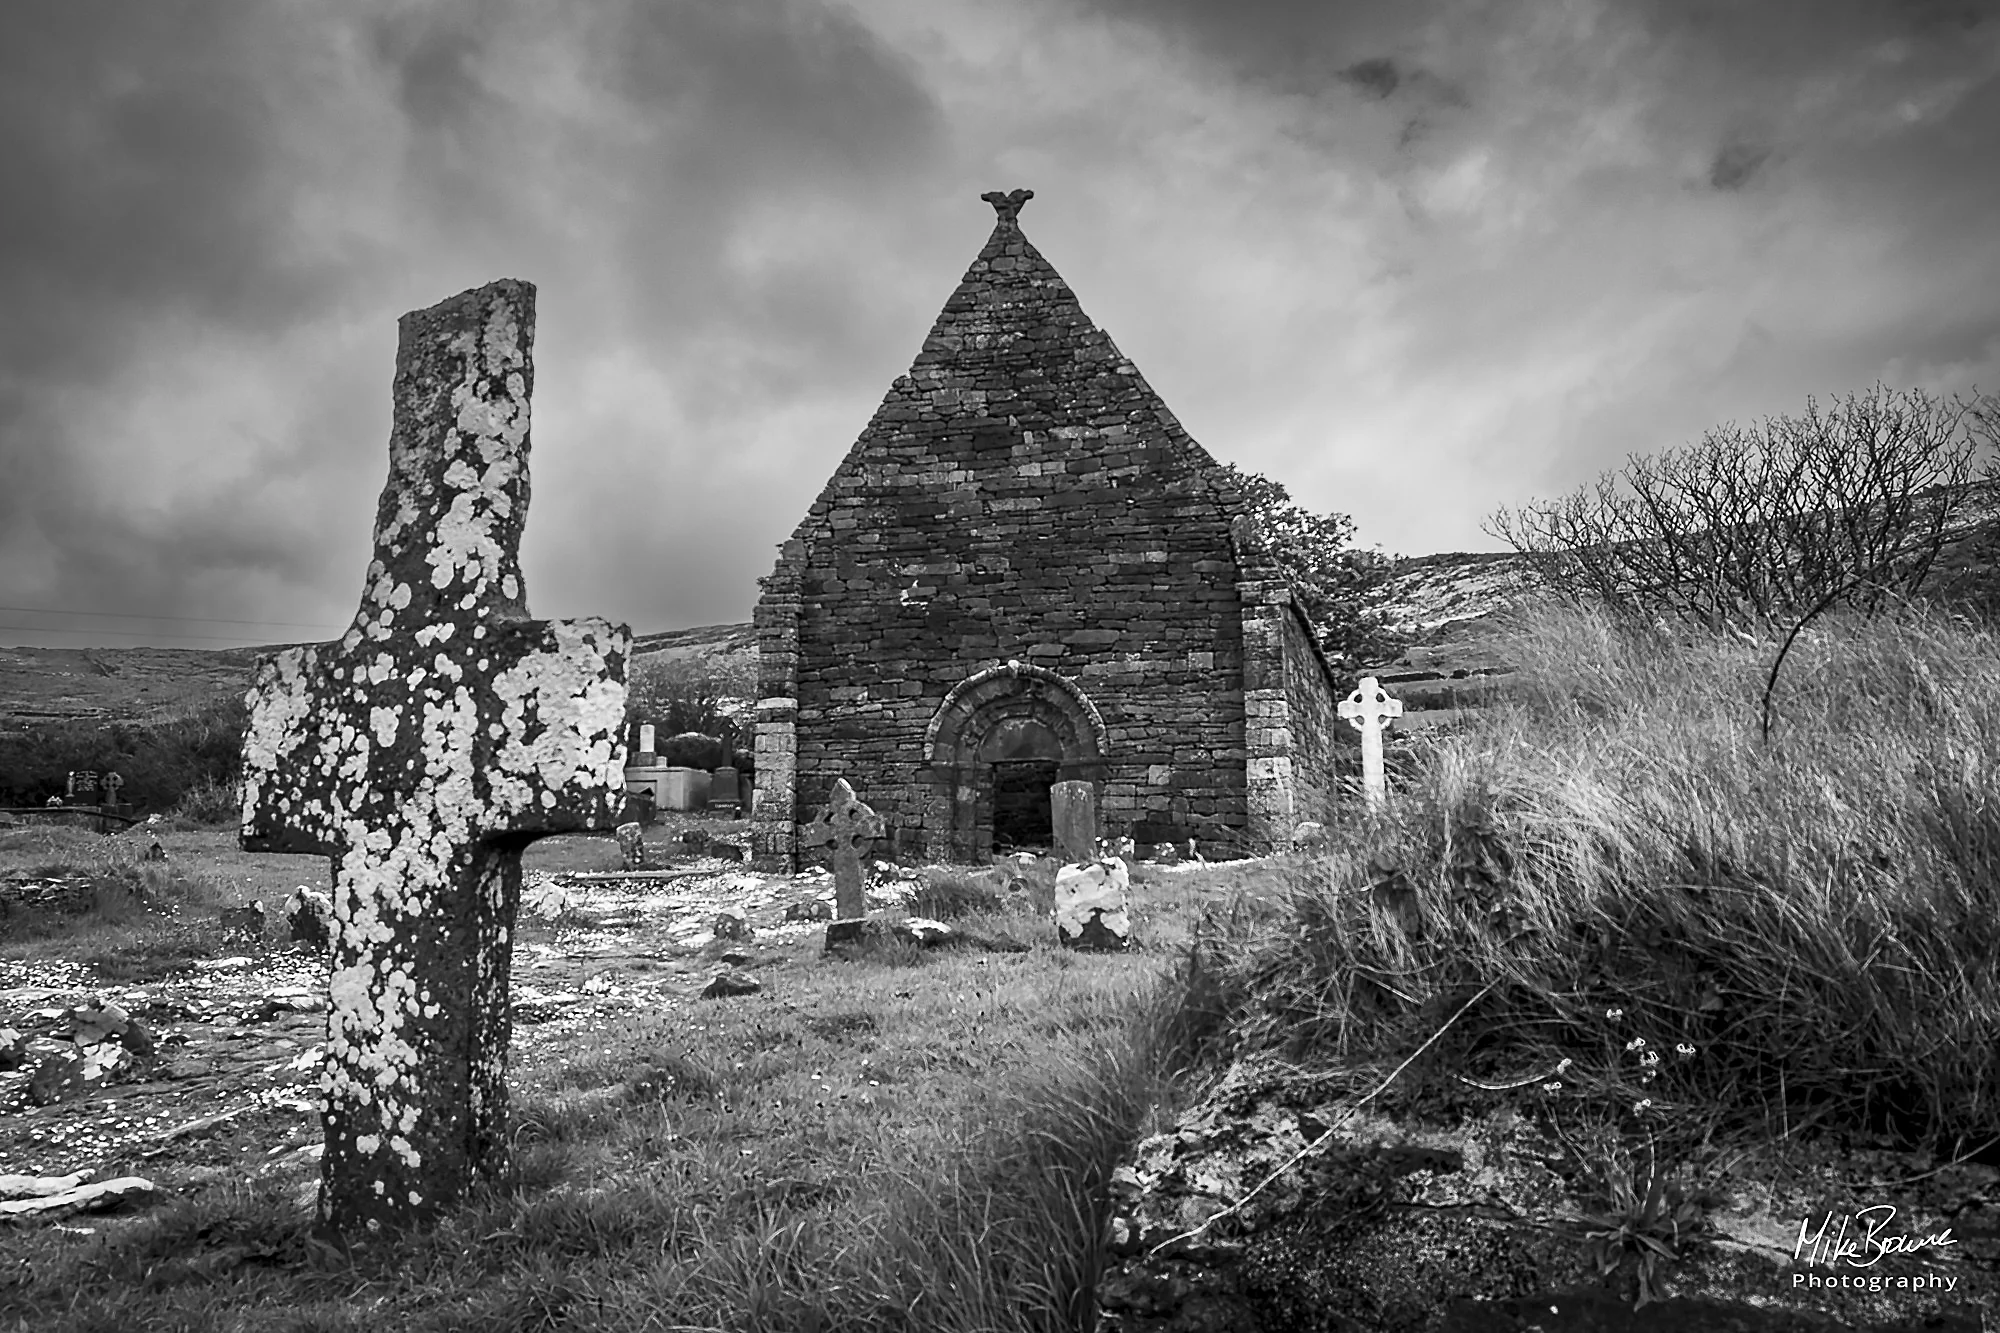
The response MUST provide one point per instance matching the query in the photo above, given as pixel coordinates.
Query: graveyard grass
(905, 1141)
(1805, 932)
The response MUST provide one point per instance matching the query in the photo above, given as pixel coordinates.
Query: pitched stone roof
(1019, 410)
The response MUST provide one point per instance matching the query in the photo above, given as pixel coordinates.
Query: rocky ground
(210, 1074)
(1394, 1225)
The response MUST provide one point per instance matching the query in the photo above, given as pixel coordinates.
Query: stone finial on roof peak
(1008, 205)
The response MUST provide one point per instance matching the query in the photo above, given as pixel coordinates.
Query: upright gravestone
(1367, 710)
(1073, 811)
(845, 826)
(648, 754)
(723, 790)
(422, 752)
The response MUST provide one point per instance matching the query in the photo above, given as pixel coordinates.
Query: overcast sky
(1415, 260)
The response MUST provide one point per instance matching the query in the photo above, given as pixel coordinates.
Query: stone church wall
(1023, 497)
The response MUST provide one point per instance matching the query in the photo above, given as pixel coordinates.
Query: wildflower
(1649, 1058)
(1562, 1065)
(1684, 1050)
(1641, 1106)
(1614, 1014)
(1635, 1044)
(1554, 1085)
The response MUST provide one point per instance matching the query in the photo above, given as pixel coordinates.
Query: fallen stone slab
(39, 1187)
(595, 876)
(730, 983)
(87, 1198)
(222, 964)
(860, 934)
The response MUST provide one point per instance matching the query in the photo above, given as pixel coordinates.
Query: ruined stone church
(1026, 572)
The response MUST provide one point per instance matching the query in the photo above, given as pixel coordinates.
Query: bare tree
(1770, 525)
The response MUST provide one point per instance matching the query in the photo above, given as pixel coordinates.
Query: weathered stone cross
(423, 752)
(846, 825)
(1367, 710)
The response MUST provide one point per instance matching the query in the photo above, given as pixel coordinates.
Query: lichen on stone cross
(422, 752)
(844, 826)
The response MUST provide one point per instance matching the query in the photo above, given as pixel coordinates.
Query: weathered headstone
(83, 787)
(1367, 710)
(309, 918)
(631, 845)
(113, 784)
(845, 826)
(723, 790)
(1073, 811)
(243, 925)
(648, 755)
(1093, 906)
(423, 752)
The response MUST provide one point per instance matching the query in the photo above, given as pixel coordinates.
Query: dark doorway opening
(1022, 816)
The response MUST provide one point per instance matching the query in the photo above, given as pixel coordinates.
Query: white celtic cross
(1368, 710)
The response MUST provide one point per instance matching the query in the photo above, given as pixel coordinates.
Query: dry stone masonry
(1025, 572)
(423, 752)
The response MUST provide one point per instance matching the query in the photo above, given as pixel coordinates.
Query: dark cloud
(194, 174)
(432, 55)
(741, 218)
(1376, 77)
(134, 151)
(1735, 165)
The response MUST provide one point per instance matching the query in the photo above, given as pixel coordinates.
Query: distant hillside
(1446, 602)
(146, 684)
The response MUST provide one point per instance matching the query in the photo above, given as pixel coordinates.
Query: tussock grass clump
(211, 804)
(1723, 933)
(91, 900)
(949, 893)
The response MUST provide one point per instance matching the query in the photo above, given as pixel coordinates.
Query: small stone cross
(423, 752)
(1367, 710)
(846, 826)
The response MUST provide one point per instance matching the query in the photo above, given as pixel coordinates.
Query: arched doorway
(997, 743)
(1024, 759)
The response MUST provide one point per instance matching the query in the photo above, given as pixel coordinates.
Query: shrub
(212, 804)
(160, 760)
(691, 749)
(1846, 507)
(678, 697)
(948, 894)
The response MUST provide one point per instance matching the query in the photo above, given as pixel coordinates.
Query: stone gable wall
(1110, 565)
(1021, 494)
(1314, 724)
